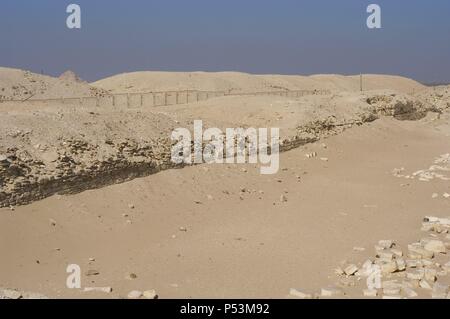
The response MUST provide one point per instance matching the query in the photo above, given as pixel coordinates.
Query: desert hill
(18, 84)
(243, 82)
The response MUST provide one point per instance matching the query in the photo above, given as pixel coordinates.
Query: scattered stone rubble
(439, 96)
(419, 270)
(6, 293)
(439, 170)
(148, 294)
(400, 106)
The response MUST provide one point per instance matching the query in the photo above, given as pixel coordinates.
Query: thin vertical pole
(360, 82)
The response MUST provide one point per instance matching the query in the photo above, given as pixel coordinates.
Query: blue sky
(256, 36)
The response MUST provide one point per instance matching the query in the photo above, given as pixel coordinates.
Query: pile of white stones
(418, 271)
(439, 170)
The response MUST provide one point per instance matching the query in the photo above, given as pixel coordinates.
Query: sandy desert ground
(93, 186)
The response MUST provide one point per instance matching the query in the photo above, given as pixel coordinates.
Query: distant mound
(70, 76)
(243, 82)
(204, 81)
(18, 84)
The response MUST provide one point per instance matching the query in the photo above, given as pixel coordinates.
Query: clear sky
(256, 36)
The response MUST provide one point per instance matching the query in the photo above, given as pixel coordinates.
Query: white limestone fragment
(439, 291)
(350, 269)
(370, 292)
(331, 292)
(135, 294)
(299, 294)
(98, 289)
(150, 294)
(386, 244)
(436, 246)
